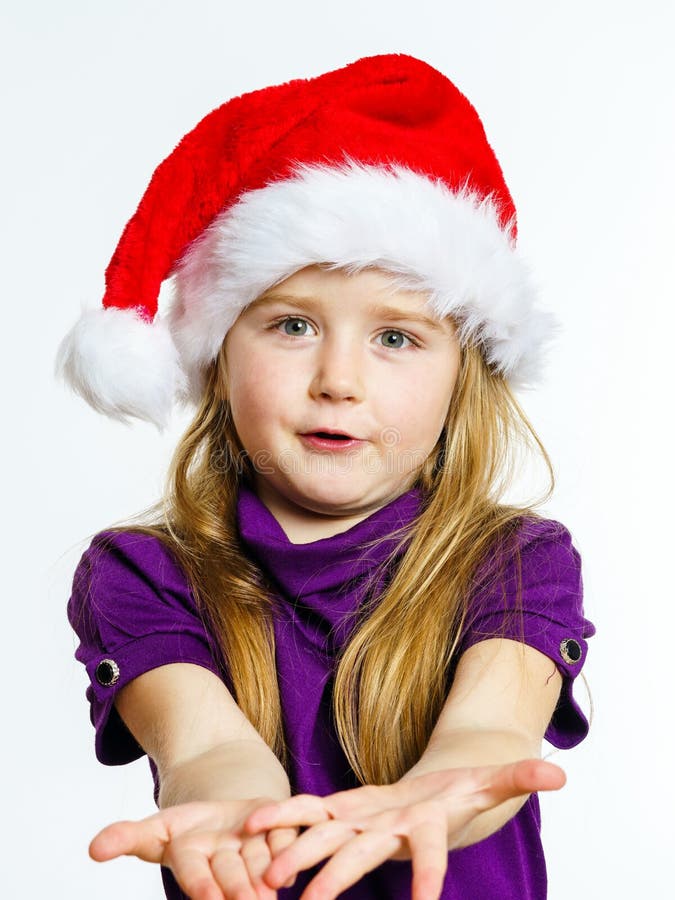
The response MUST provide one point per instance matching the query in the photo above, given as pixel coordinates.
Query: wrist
(237, 770)
(466, 748)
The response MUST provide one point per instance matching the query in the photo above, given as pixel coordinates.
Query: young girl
(338, 646)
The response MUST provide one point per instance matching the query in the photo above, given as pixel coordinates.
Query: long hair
(391, 677)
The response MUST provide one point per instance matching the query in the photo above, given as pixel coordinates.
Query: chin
(331, 497)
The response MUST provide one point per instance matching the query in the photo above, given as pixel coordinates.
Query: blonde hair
(392, 676)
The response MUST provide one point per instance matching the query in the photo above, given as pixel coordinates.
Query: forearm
(237, 770)
(471, 747)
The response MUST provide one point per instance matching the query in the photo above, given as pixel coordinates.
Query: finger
(192, 871)
(231, 874)
(277, 840)
(303, 809)
(311, 847)
(352, 861)
(429, 851)
(256, 855)
(146, 839)
(280, 838)
(523, 777)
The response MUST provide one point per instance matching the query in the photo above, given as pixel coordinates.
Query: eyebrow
(379, 310)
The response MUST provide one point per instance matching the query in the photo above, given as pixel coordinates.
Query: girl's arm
(204, 747)
(214, 769)
(502, 699)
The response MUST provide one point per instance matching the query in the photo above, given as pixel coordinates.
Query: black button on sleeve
(107, 672)
(570, 650)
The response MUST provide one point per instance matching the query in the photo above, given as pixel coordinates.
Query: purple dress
(132, 610)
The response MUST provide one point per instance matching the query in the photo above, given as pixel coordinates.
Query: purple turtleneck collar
(325, 565)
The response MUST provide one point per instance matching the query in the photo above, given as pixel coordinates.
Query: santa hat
(380, 163)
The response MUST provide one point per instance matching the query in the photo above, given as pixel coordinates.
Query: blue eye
(297, 326)
(399, 334)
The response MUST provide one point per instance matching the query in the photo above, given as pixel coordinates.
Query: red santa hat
(380, 163)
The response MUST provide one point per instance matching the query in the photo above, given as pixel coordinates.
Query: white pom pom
(122, 365)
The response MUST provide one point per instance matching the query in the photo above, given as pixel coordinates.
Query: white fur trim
(449, 244)
(121, 365)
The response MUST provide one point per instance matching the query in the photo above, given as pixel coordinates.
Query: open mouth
(327, 440)
(331, 437)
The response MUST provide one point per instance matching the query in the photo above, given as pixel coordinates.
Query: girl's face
(325, 350)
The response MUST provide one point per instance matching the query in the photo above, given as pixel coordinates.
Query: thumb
(146, 840)
(523, 777)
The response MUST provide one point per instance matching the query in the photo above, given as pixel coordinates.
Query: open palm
(203, 844)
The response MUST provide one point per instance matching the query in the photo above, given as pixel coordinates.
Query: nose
(338, 373)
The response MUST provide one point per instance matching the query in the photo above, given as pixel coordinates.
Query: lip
(334, 446)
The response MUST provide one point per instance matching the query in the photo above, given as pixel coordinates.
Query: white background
(577, 99)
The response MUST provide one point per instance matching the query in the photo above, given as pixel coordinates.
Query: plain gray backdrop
(577, 99)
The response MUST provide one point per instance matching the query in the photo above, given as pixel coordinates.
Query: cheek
(259, 393)
(249, 391)
(416, 407)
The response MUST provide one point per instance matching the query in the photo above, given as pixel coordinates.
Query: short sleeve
(132, 610)
(549, 618)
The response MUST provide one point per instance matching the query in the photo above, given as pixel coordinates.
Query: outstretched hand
(204, 846)
(419, 818)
